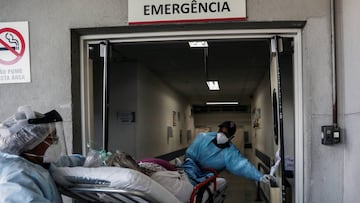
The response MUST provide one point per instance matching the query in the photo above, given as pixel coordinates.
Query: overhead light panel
(200, 44)
(213, 85)
(222, 103)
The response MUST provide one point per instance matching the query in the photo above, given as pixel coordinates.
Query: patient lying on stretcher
(162, 172)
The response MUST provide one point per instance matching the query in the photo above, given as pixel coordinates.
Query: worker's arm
(237, 164)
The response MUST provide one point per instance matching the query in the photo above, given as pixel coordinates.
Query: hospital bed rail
(93, 194)
(96, 193)
(217, 196)
(102, 193)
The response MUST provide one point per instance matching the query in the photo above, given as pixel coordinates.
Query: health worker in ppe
(29, 143)
(215, 150)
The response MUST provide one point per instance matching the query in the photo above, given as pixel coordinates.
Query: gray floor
(239, 190)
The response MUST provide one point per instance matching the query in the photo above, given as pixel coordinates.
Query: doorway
(128, 121)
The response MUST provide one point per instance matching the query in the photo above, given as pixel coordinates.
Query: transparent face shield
(55, 138)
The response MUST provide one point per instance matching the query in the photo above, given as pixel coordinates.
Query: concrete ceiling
(239, 66)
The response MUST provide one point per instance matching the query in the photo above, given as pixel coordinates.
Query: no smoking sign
(14, 52)
(12, 46)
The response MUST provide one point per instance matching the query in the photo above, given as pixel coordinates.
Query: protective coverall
(24, 181)
(205, 153)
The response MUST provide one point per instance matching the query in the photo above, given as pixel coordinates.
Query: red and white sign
(170, 11)
(14, 52)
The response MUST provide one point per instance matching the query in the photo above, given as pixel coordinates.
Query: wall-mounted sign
(169, 11)
(14, 52)
(126, 117)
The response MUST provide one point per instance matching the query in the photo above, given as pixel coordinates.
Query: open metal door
(105, 53)
(110, 99)
(96, 92)
(278, 190)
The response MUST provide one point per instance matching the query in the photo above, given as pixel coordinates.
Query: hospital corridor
(194, 95)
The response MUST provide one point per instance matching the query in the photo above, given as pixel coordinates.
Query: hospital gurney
(114, 184)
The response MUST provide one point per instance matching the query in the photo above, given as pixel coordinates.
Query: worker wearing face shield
(215, 150)
(30, 144)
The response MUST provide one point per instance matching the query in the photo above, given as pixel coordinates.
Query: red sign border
(22, 50)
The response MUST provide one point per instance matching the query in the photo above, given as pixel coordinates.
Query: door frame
(81, 38)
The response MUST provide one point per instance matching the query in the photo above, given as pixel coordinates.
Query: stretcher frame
(94, 193)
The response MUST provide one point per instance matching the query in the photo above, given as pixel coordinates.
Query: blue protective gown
(206, 154)
(24, 181)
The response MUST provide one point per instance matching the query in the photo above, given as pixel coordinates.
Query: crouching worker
(215, 150)
(29, 143)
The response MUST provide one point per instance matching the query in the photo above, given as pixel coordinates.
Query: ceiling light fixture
(222, 103)
(200, 44)
(213, 85)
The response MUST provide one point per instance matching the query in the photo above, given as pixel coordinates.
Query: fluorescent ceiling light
(222, 103)
(198, 44)
(213, 85)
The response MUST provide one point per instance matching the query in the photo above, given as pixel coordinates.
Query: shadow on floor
(239, 190)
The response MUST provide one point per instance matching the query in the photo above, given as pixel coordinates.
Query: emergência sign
(185, 8)
(158, 11)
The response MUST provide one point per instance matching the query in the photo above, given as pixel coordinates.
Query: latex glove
(266, 178)
(277, 163)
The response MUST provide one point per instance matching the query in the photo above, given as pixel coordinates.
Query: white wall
(348, 49)
(122, 85)
(49, 33)
(132, 88)
(155, 106)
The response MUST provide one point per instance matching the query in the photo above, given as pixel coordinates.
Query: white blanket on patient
(113, 177)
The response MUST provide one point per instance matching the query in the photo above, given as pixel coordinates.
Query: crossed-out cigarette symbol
(14, 43)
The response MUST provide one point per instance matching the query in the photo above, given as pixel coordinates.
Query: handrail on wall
(259, 189)
(265, 166)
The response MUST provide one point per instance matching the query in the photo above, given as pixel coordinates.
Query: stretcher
(115, 184)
